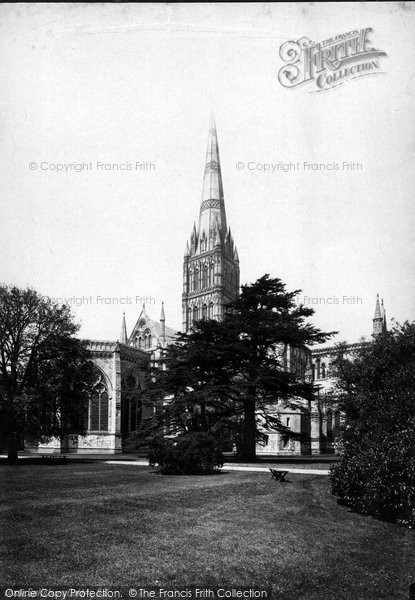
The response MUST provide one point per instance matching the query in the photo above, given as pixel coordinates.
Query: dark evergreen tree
(224, 375)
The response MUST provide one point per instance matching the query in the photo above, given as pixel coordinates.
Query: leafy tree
(376, 473)
(227, 374)
(45, 371)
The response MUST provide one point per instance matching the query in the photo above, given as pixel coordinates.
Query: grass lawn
(99, 524)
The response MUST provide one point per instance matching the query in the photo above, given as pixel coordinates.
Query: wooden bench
(279, 475)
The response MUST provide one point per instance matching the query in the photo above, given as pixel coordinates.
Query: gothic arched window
(204, 312)
(195, 280)
(147, 339)
(195, 314)
(98, 407)
(211, 310)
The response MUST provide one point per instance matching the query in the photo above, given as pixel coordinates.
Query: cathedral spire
(213, 205)
(210, 266)
(123, 336)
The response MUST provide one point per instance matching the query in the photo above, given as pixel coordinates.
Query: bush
(376, 473)
(190, 454)
(378, 477)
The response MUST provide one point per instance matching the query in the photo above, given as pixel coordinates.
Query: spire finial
(123, 336)
(378, 314)
(384, 324)
(377, 319)
(163, 325)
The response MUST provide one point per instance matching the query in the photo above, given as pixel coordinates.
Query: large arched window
(98, 406)
(195, 280)
(195, 314)
(211, 310)
(204, 312)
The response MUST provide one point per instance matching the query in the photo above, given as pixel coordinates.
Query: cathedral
(210, 281)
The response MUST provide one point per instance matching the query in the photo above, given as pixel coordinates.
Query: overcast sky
(128, 83)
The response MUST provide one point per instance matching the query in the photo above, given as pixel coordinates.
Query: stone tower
(211, 263)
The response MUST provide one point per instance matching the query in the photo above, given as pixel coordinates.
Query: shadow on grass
(44, 460)
(390, 517)
(187, 475)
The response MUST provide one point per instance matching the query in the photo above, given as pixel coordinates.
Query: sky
(99, 85)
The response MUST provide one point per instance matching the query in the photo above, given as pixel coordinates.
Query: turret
(123, 335)
(383, 312)
(163, 325)
(377, 319)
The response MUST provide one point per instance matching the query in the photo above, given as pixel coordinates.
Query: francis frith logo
(331, 62)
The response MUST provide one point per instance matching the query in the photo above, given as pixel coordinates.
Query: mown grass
(99, 524)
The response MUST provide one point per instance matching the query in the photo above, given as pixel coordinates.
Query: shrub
(190, 454)
(376, 473)
(378, 478)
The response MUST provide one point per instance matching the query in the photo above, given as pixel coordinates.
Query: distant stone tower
(379, 320)
(211, 263)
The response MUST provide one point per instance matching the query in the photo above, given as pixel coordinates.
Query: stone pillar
(315, 432)
(115, 426)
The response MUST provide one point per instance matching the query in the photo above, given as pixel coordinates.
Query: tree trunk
(248, 449)
(12, 447)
